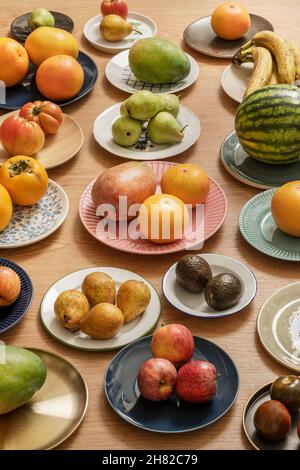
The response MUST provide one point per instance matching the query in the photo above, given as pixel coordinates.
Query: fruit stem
(244, 54)
(137, 31)
(183, 129)
(21, 166)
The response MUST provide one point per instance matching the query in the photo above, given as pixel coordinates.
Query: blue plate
(11, 315)
(27, 90)
(253, 172)
(170, 416)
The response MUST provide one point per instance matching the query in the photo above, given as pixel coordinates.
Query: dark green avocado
(193, 273)
(223, 291)
(286, 389)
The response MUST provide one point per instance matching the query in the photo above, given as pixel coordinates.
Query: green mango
(21, 375)
(157, 61)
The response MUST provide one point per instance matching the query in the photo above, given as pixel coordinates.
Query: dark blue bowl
(27, 90)
(172, 415)
(12, 314)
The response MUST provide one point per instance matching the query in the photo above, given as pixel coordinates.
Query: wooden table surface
(72, 248)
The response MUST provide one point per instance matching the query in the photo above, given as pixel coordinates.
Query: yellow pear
(133, 298)
(114, 28)
(103, 321)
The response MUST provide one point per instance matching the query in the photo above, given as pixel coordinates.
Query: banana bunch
(275, 60)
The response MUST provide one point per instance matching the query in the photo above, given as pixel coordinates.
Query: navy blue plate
(27, 90)
(19, 28)
(11, 315)
(170, 416)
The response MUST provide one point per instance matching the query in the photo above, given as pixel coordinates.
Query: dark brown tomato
(272, 420)
(286, 389)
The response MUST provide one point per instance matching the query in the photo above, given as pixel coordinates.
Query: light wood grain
(72, 248)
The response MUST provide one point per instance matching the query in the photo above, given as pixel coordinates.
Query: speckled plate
(290, 442)
(200, 36)
(252, 172)
(215, 209)
(278, 326)
(19, 28)
(259, 229)
(130, 331)
(172, 415)
(34, 223)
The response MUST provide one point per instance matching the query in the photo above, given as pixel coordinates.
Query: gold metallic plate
(52, 414)
(290, 442)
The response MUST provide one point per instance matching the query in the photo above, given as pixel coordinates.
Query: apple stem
(218, 376)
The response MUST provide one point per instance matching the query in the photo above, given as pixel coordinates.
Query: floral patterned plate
(34, 223)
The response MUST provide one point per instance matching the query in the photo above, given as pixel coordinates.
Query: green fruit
(164, 129)
(21, 376)
(223, 291)
(40, 17)
(170, 103)
(143, 105)
(267, 124)
(286, 389)
(193, 273)
(155, 60)
(126, 131)
(123, 108)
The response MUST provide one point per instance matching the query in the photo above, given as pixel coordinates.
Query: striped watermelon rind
(267, 124)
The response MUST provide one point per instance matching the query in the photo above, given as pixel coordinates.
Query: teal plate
(252, 172)
(259, 229)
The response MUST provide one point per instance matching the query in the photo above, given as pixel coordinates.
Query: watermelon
(267, 124)
(22, 374)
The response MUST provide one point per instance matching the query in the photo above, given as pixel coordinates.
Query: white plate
(235, 79)
(34, 223)
(194, 303)
(141, 22)
(131, 331)
(103, 135)
(118, 73)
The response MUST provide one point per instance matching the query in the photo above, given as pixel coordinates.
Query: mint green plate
(259, 229)
(252, 172)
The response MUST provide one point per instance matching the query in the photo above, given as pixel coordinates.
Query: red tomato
(115, 7)
(47, 115)
(21, 137)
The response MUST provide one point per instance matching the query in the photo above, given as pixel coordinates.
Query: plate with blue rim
(260, 230)
(26, 91)
(12, 314)
(172, 415)
(252, 172)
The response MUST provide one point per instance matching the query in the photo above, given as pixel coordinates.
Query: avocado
(156, 60)
(223, 291)
(193, 273)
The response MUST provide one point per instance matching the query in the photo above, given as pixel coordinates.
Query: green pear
(143, 105)
(123, 108)
(170, 103)
(40, 17)
(126, 131)
(164, 129)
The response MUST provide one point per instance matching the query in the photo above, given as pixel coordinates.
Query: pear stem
(183, 129)
(137, 31)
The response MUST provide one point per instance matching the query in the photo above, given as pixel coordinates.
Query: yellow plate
(52, 414)
(59, 148)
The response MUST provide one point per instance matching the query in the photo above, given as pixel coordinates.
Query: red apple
(114, 7)
(157, 379)
(174, 342)
(196, 382)
(10, 286)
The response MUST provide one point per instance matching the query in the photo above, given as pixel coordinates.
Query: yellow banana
(281, 50)
(274, 80)
(262, 72)
(296, 52)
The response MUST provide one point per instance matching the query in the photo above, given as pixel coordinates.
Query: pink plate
(215, 210)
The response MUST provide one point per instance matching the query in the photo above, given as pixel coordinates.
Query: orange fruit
(6, 208)
(14, 61)
(187, 181)
(45, 42)
(285, 208)
(230, 21)
(163, 218)
(59, 78)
